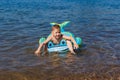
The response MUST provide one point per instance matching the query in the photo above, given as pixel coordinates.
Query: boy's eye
(57, 32)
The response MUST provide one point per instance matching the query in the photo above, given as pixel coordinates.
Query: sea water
(23, 22)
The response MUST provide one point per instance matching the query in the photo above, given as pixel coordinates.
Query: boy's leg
(69, 44)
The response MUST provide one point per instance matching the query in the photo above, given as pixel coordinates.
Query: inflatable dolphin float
(62, 46)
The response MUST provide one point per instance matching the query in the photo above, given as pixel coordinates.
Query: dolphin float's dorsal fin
(62, 25)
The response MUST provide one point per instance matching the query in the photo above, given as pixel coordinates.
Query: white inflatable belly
(58, 49)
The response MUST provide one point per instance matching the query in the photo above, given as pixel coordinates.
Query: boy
(56, 37)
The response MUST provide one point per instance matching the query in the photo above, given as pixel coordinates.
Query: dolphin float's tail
(62, 25)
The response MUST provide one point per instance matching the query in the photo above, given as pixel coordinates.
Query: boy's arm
(72, 39)
(41, 45)
(47, 40)
(37, 52)
(44, 43)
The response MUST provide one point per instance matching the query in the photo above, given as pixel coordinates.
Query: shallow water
(22, 23)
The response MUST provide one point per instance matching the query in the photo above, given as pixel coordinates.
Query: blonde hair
(55, 27)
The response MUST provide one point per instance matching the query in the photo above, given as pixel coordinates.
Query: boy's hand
(37, 52)
(76, 46)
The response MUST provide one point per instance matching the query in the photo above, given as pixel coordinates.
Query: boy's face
(56, 33)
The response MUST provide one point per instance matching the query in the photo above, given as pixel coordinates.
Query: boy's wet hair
(55, 27)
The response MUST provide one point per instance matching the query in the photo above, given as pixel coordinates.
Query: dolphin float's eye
(63, 42)
(50, 44)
